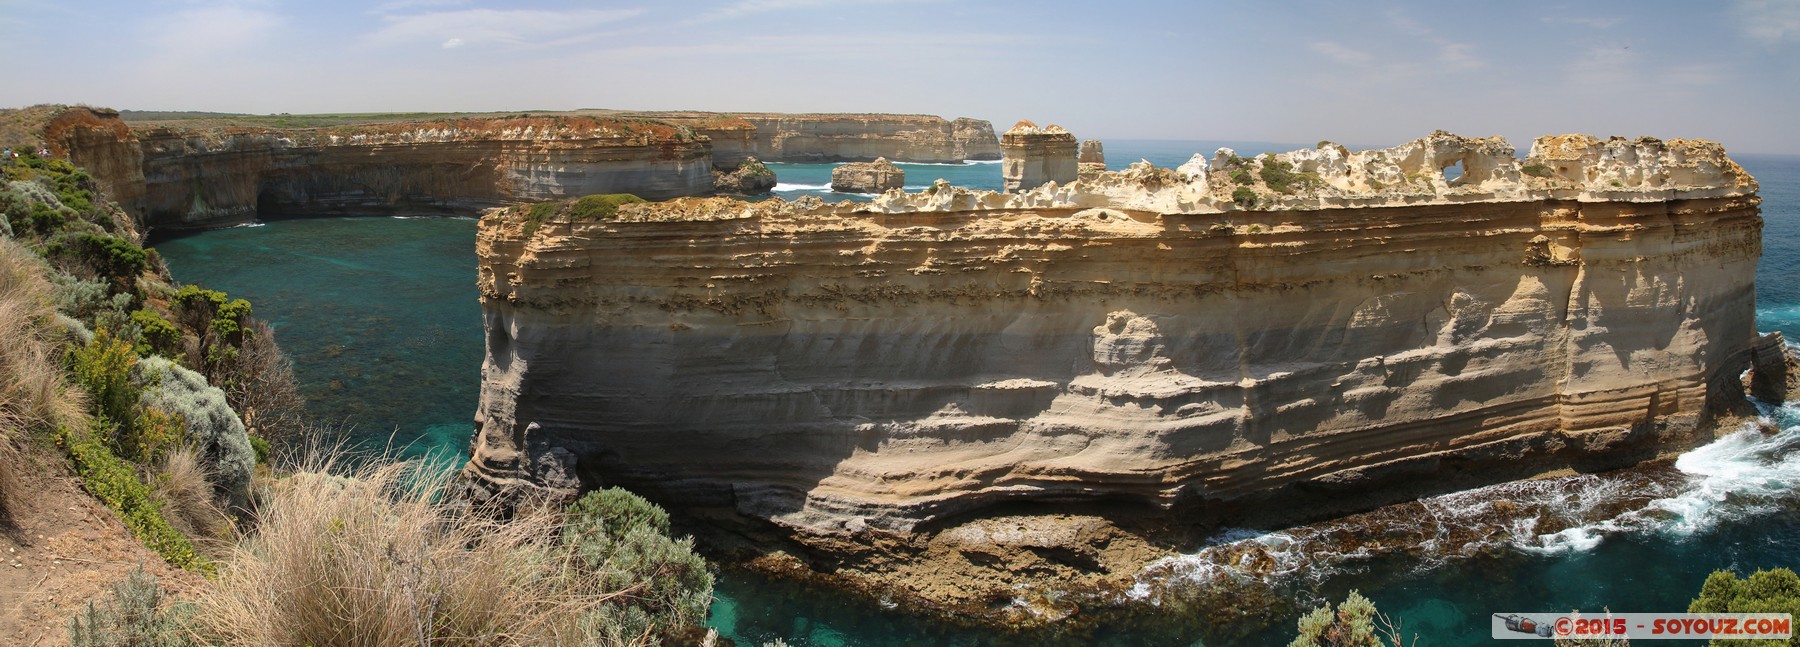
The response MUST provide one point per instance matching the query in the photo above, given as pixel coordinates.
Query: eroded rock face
(867, 177)
(864, 374)
(1036, 156)
(750, 177)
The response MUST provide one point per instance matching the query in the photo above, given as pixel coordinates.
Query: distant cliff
(851, 137)
(896, 385)
(223, 171)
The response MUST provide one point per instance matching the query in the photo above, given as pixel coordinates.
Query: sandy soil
(62, 548)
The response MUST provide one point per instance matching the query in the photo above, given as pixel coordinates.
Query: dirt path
(63, 548)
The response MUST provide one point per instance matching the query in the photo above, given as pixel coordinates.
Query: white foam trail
(962, 163)
(247, 224)
(783, 186)
(1741, 475)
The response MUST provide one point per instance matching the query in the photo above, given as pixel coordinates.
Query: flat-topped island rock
(867, 177)
(914, 393)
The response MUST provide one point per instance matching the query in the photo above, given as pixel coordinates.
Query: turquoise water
(797, 180)
(380, 315)
(382, 319)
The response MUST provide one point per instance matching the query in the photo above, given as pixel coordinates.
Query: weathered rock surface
(1092, 152)
(750, 177)
(1092, 160)
(881, 382)
(1036, 156)
(867, 177)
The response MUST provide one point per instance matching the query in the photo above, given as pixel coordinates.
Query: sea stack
(1036, 156)
(867, 177)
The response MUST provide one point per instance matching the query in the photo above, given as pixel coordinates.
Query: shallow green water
(381, 316)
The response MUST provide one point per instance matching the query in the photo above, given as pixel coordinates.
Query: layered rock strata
(862, 138)
(201, 174)
(943, 384)
(867, 177)
(1037, 156)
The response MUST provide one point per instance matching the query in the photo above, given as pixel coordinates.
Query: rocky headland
(196, 173)
(959, 397)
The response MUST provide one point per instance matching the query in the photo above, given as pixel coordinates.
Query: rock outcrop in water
(750, 177)
(203, 174)
(867, 177)
(949, 394)
(1036, 156)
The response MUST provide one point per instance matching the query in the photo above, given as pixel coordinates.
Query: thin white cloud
(453, 43)
(1456, 54)
(1769, 21)
(742, 8)
(210, 30)
(1340, 53)
(1584, 21)
(492, 26)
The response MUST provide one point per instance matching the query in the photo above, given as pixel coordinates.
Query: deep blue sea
(382, 319)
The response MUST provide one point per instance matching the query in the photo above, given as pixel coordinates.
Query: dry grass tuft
(184, 491)
(381, 558)
(33, 392)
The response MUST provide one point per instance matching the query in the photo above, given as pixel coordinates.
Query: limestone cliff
(862, 138)
(896, 374)
(197, 177)
(202, 174)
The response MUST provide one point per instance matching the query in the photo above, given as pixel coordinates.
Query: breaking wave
(1752, 472)
(783, 186)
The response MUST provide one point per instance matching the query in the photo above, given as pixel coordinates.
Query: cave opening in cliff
(1453, 172)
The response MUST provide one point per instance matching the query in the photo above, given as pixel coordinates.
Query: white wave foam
(243, 225)
(962, 163)
(783, 186)
(1741, 475)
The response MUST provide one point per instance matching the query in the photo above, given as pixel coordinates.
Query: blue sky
(1373, 73)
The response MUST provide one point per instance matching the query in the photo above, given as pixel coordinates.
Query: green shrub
(1536, 170)
(1281, 177)
(601, 206)
(262, 449)
(1775, 591)
(623, 540)
(135, 615)
(1244, 197)
(107, 256)
(1353, 625)
(216, 430)
(103, 367)
(156, 334)
(152, 433)
(115, 483)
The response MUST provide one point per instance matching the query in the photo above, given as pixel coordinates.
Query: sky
(1363, 73)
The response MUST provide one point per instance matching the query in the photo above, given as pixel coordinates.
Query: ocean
(382, 319)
